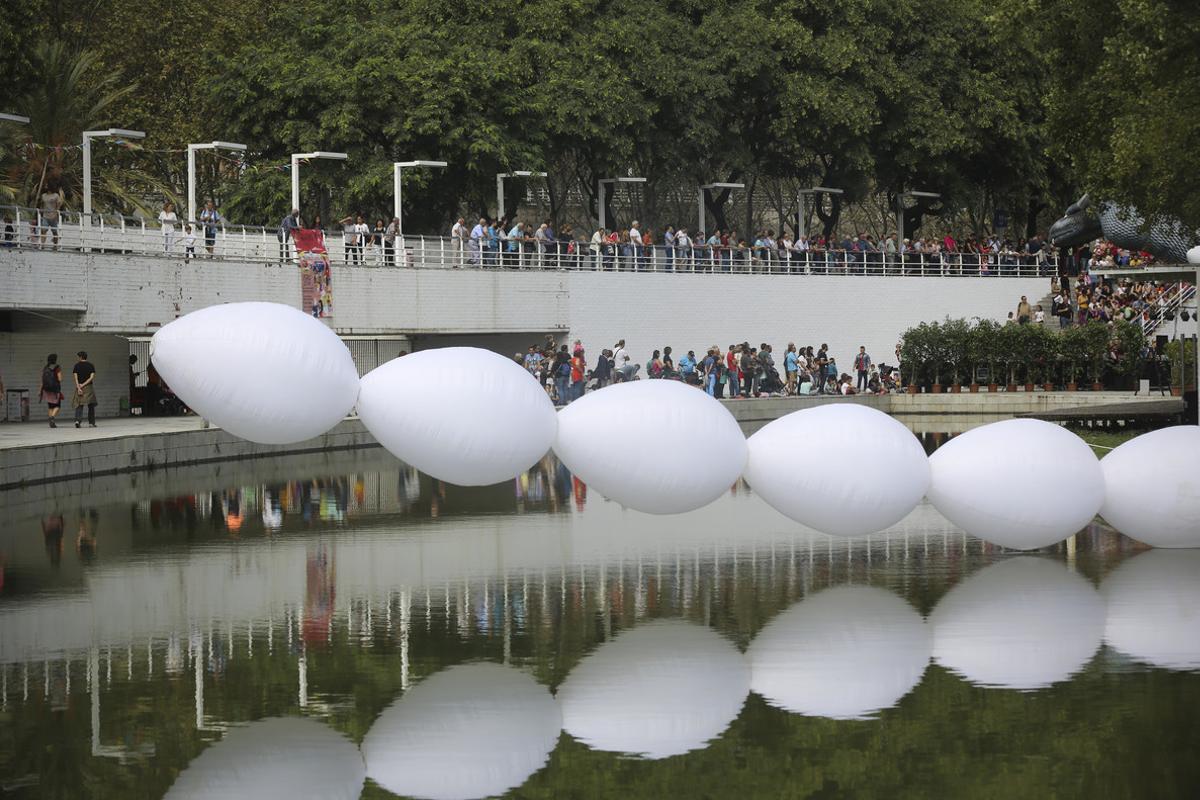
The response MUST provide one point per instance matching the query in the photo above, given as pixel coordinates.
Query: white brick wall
(126, 294)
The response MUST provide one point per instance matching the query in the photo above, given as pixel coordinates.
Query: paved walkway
(38, 434)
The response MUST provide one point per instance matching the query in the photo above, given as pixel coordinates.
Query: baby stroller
(771, 384)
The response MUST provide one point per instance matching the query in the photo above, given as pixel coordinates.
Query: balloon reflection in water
(470, 731)
(282, 757)
(658, 690)
(1023, 623)
(843, 653)
(1154, 609)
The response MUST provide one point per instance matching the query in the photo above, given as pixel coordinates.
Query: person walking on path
(51, 393)
(862, 365)
(85, 389)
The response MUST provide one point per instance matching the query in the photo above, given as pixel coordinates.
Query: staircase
(1177, 295)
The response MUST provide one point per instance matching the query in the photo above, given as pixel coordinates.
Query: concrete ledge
(131, 445)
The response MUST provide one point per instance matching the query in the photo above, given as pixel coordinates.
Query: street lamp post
(191, 169)
(297, 158)
(119, 133)
(700, 201)
(600, 191)
(397, 188)
(500, 176)
(18, 118)
(900, 198)
(801, 206)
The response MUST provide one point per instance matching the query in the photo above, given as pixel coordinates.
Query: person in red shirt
(734, 374)
(578, 373)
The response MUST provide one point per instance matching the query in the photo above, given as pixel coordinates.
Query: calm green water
(281, 629)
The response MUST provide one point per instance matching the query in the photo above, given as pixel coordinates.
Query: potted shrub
(1095, 339)
(981, 350)
(1039, 349)
(956, 339)
(1072, 348)
(1008, 346)
(914, 347)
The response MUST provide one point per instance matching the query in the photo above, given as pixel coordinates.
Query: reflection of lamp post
(500, 176)
(900, 198)
(600, 191)
(297, 158)
(120, 133)
(191, 169)
(700, 201)
(396, 187)
(802, 210)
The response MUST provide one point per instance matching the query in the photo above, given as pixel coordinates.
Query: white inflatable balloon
(1023, 623)
(1020, 483)
(1193, 255)
(656, 446)
(461, 414)
(843, 653)
(843, 469)
(1152, 487)
(1154, 609)
(470, 731)
(281, 758)
(658, 690)
(263, 371)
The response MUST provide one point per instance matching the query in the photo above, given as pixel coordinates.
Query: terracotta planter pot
(1097, 387)
(1072, 387)
(912, 388)
(937, 388)
(993, 388)
(1047, 387)
(1012, 387)
(955, 388)
(1029, 387)
(1176, 391)
(973, 388)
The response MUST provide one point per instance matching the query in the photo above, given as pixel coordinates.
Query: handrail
(25, 228)
(1182, 292)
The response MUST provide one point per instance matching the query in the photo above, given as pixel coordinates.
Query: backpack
(50, 380)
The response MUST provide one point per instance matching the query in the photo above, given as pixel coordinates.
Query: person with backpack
(85, 389)
(51, 392)
(561, 371)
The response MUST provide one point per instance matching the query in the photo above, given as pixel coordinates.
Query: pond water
(341, 626)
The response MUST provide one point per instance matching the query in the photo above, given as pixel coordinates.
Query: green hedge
(951, 351)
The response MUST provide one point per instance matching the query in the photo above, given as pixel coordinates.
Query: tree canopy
(1014, 105)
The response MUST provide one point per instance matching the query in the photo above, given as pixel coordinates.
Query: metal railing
(1172, 301)
(26, 228)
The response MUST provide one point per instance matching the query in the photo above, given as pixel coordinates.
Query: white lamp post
(14, 118)
(802, 209)
(397, 188)
(600, 191)
(900, 198)
(191, 169)
(119, 133)
(297, 158)
(700, 201)
(500, 176)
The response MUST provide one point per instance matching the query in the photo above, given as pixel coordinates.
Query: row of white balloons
(668, 687)
(271, 374)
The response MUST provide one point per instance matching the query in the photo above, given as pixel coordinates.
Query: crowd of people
(736, 372)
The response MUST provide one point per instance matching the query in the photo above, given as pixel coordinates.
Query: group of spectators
(736, 372)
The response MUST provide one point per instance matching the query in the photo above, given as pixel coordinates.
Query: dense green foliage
(1014, 106)
(959, 349)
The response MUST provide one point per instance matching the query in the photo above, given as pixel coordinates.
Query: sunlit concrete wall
(133, 294)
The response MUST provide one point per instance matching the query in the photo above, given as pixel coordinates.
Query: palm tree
(63, 102)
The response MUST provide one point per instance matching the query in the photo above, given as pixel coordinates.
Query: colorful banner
(316, 284)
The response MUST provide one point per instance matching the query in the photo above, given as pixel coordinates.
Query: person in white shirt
(597, 245)
(635, 240)
(189, 242)
(361, 233)
(168, 219)
(478, 234)
(458, 236)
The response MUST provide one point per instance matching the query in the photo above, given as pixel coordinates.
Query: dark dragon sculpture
(1081, 224)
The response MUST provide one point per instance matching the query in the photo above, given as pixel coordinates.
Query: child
(189, 242)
